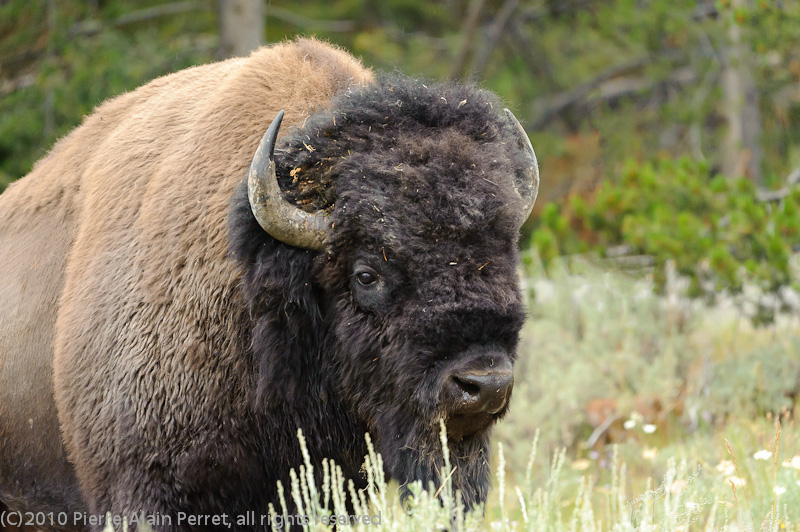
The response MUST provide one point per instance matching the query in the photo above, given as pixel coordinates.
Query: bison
(180, 295)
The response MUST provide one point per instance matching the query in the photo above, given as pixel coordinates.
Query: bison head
(396, 213)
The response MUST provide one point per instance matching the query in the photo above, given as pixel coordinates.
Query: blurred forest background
(668, 131)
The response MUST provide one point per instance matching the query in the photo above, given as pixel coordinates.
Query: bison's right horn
(282, 220)
(530, 189)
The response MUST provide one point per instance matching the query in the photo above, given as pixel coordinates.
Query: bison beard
(189, 344)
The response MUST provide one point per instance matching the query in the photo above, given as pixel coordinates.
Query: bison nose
(473, 395)
(480, 392)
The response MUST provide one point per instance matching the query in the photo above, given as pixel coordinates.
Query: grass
(631, 412)
(688, 497)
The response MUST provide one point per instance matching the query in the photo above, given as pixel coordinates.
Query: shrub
(714, 230)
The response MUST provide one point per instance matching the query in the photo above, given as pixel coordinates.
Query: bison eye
(366, 276)
(372, 282)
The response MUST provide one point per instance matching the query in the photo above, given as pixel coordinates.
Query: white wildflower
(793, 462)
(581, 464)
(763, 455)
(726, 467)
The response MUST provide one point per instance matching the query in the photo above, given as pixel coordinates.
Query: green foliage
(70, 64)
(714, 231)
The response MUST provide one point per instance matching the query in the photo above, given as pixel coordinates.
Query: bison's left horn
(281, 219)
(529, 188)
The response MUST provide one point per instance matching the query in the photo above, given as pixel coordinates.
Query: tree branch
(777, 195)
(149, 13)
(92, 27)
(537, 63)
(310, 24)
(468, 31)
(609, 88)
(493, 34)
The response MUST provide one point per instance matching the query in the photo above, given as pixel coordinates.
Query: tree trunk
(741, 151)
(241, 24)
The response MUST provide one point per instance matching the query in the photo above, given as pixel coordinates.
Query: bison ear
(528, 188)
(282, 220)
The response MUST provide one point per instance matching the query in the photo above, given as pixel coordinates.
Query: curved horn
(530, 189)
(278, 217)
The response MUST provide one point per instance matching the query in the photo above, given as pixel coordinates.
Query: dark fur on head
(419, 180)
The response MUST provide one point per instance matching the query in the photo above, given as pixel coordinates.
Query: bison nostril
(477, 392)
(468, 387)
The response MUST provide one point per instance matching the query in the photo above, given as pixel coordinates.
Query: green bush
(714, 230)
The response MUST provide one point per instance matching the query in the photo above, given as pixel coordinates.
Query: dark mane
(361, 119)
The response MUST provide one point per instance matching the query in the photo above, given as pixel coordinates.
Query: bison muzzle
(183, 292)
